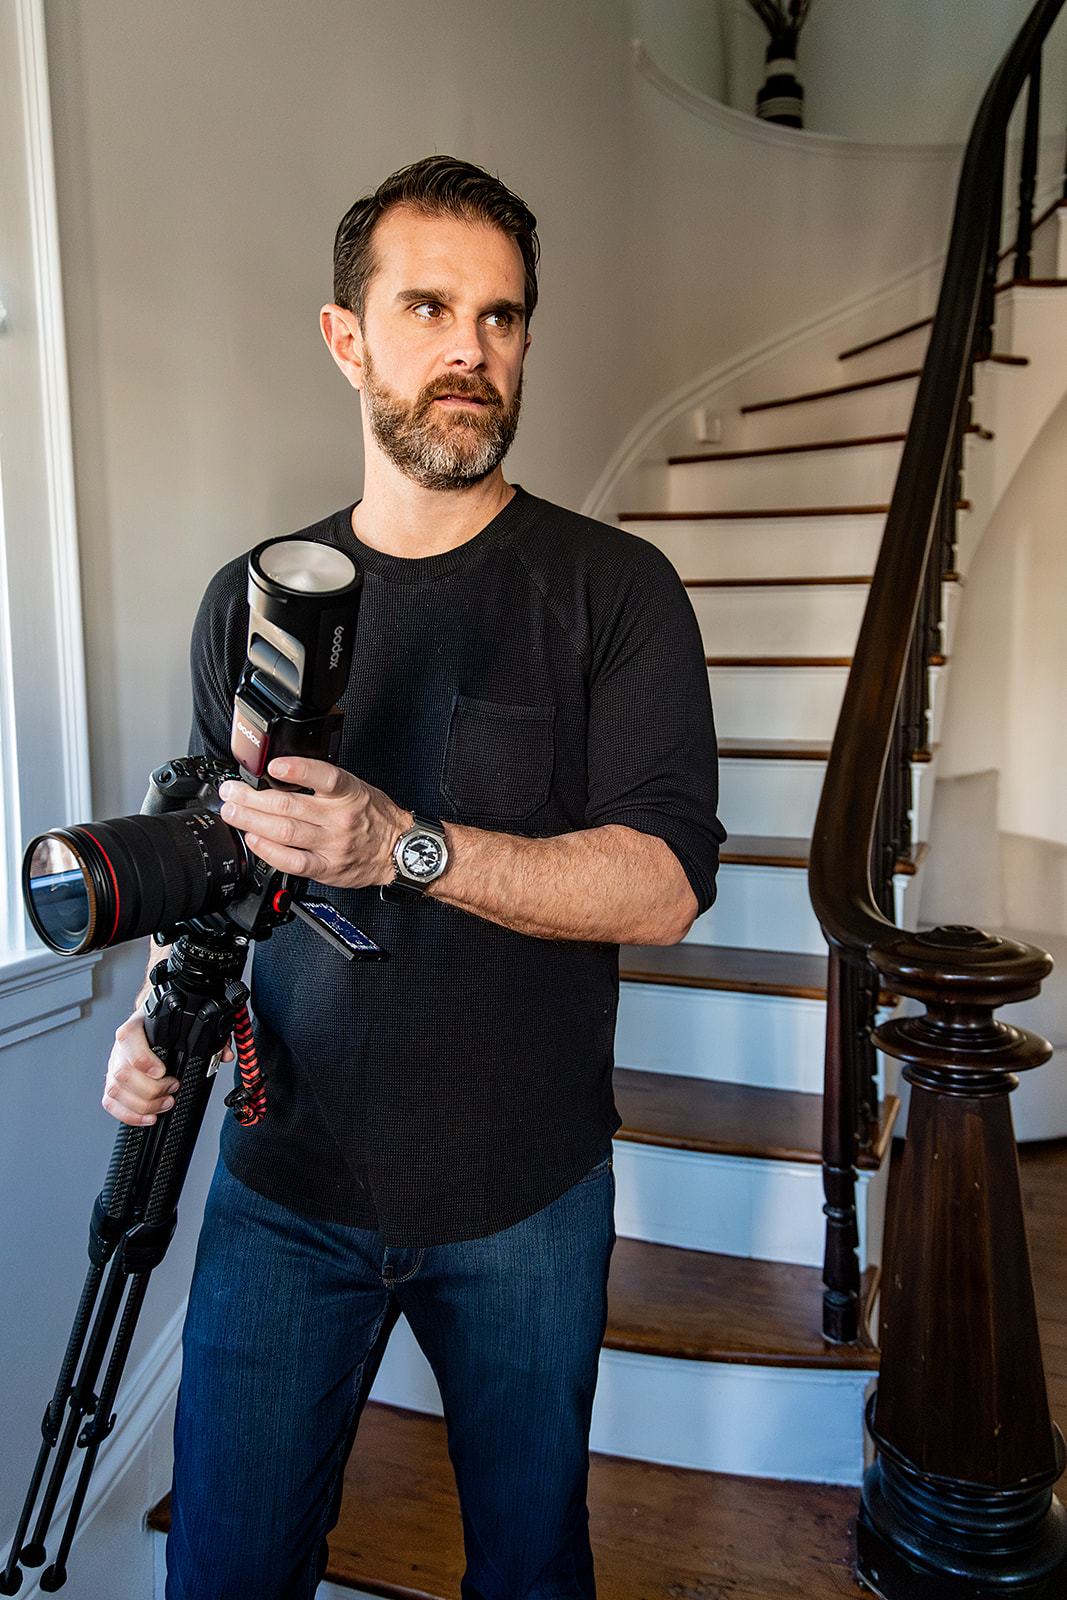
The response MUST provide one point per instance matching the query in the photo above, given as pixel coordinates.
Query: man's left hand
(341, 834)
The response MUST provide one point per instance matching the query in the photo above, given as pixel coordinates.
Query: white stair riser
(732, 1206)
(886, 409)
(769, 621)
(776, 797)
(776, 702)
(778, 547)
(907, 898)
(938, 687)
(767, 1041)
(761, 908)
(858, 476)
(782, 797)
(762, 1422)
(907, 351)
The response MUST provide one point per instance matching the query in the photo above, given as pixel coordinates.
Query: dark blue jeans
(286, 1323)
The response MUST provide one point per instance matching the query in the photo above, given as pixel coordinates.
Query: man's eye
(500, 319)
(427, 310)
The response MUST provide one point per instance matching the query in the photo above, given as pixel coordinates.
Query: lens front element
(59, 895)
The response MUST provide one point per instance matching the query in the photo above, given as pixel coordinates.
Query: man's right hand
(138, 1087)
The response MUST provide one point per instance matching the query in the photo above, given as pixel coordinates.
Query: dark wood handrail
(862, 826)
(959, 1501)
(840, 877)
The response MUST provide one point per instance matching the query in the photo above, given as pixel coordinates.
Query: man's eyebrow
(439, 296)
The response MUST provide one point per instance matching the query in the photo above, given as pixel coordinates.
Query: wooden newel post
(959, 1503)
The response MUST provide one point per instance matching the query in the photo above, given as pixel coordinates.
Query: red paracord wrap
(255, 1087)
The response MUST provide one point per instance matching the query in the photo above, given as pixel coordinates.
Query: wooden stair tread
(769, 514)
(778, 661)
(723, 967)
(695, 1306)
(731, 1119)
(767, 850)
(697, 458)
(826, 581)
(835, 389)
(764, 850)
(739, 749)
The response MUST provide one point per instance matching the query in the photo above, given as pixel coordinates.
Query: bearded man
(528, 713)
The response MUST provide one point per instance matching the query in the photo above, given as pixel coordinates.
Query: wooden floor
(661, 1533)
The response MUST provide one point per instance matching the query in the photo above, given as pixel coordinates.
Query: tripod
(197, 1002)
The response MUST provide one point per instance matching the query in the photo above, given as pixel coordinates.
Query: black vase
(781, 99)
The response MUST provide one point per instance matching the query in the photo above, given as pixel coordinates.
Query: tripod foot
(33, 1555)
(11, 1580)
(53, 1578)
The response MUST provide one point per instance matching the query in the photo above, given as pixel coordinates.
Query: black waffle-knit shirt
(544, 677)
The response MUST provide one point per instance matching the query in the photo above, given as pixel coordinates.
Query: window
(44, 768)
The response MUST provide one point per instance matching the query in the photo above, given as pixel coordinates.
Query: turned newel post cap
(962, 965)
(962, 975)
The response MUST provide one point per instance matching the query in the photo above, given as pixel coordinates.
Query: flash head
(302, 602)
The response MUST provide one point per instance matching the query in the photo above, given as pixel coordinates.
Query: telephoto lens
(91, 886)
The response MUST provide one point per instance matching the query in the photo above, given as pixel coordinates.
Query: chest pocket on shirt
(498, 759)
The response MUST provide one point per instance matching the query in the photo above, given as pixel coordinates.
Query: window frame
(44, 757)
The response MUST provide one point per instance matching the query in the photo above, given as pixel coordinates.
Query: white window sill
(39, 990)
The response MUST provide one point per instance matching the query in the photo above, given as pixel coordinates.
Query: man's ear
(343, 335)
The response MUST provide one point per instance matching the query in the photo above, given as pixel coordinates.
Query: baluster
(983, 334)
(841, 1273)
(1028, 178)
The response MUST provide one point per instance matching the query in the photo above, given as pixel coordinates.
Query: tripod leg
(191, 1014)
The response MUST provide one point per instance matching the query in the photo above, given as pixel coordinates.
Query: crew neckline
(427, 569)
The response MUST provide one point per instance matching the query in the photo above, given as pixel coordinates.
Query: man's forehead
(409, 239)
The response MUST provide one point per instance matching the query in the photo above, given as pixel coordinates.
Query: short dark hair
(438, 186)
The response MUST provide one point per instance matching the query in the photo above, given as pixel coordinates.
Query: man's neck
(400, 518)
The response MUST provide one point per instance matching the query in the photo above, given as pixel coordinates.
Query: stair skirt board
(761, 908)
(862, 475)
(779, 702)
(766, 1041)
(767, 1422)
(778, 547)
(733, 1206)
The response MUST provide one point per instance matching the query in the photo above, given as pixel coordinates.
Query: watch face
(421, 857)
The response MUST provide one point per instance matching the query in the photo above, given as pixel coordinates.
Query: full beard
(441, 449)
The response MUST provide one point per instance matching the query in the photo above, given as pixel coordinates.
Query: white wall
(204, 154)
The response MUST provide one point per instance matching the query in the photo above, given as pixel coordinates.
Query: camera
(177, 865)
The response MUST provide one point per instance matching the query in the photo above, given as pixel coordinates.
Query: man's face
(443, 341)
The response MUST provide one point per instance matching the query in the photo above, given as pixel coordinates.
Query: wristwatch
(420, 856)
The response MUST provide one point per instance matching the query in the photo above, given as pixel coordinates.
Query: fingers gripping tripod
(196, 999)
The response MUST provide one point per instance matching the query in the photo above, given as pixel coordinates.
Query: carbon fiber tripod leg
(190, 1016)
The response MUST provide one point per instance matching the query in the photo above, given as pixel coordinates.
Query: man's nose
(466, 347)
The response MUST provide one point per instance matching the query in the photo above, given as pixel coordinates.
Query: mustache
(471, 385)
